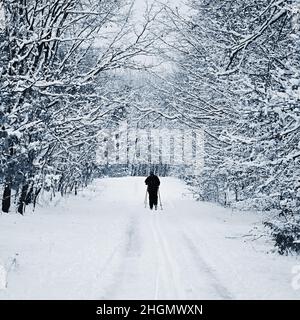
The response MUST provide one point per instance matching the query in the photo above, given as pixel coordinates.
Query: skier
(153, 183)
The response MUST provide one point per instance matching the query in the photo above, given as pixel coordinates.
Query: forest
(70, 68)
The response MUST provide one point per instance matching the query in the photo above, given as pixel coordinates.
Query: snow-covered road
(103, 244)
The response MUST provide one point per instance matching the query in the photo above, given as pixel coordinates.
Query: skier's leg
(151, 200)
(155, 199)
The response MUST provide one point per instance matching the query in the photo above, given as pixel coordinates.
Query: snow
(103, 244)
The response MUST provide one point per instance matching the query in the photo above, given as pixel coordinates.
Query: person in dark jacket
(153, 184)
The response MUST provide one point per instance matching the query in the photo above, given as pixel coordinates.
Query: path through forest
(103, 244)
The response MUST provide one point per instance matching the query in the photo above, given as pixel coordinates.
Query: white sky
(139, 10)
(140, 5)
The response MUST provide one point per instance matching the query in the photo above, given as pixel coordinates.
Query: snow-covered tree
(57, 63)
(237, 75)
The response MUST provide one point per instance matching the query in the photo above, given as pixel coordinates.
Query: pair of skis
(159, 198)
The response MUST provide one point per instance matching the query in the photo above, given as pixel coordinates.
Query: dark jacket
(152, 182)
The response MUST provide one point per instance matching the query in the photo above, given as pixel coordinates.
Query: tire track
(205, 269)
(127, 253)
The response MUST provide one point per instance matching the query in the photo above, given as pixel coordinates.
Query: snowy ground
(103, 244)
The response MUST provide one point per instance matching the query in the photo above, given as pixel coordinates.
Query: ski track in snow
(204, 269)
(167, 279)
(103, 244)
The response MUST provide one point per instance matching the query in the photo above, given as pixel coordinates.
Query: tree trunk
(6, 197)
(22, 199)
(29, 195)
(36, 194)
(236, 195)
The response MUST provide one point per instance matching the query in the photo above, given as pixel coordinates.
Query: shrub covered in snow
(286, 234)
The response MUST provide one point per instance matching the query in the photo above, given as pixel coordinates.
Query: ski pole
(145, 201)
(161, 207)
